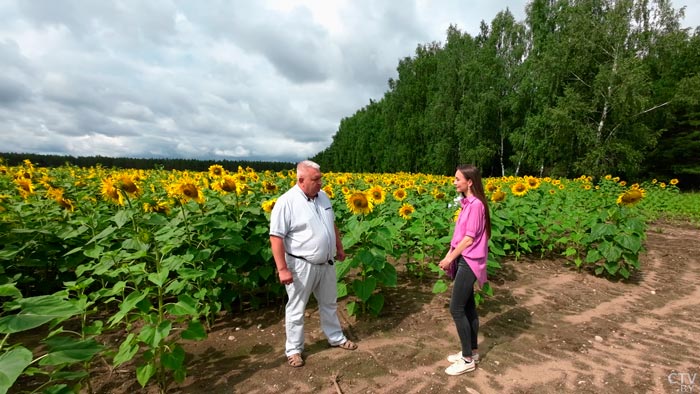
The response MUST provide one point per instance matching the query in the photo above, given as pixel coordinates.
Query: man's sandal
(295, 360)
(347, 345)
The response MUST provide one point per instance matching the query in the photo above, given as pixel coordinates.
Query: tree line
(13, 159)
(589, 87)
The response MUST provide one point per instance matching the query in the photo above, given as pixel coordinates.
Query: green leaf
(36, 311)
(387, 276)
(12, 363)
(630, 242)
(9, 290)
(195, 331)
(175, 359)
(122, 217)
(342, 268)
(364, 288)
(440, 286)
(185, 305)
(154, 335)
(127, 351)
(352, 308)
(342, 290)
(65, 350)
(144, 373)
(375, 303)
(159, 278)
(126, 306)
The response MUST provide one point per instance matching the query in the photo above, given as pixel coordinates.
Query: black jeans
(463, 308)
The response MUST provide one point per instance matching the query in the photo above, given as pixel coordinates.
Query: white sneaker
(460, 366)
(455, 357)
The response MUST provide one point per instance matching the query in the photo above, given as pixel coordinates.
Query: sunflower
(662, 185)
(186, 190)
(269, 187)
(498, 196)
(328, 189)
(110, 192)
(268, 205)
(399, 194)
(456, 215)
(216, 171)
(127, 184)
(359, 203)
(491, 186)
(623, 183)
(158, 207)
(552, 191)
(519, 189)
(631, 197)
(673, 181)
(438, 195)
(226, 184)
(532, 182)
(377, 194)
(406, 210)
(25, 187)
(57, 195)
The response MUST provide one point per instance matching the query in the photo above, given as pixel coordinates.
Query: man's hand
(340, 255)
(285, 277)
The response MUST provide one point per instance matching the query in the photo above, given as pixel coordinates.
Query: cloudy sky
(215, 79)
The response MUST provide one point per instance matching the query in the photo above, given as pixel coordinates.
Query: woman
(470, 244)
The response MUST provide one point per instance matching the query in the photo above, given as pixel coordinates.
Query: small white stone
(598, 338)
(653, 292)
(231, 337)
(259, 326)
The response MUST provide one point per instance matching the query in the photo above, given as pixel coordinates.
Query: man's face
(311, 181)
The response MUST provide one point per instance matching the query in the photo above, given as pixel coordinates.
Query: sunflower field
(155, 256)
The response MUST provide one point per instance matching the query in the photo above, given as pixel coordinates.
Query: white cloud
(263, 80)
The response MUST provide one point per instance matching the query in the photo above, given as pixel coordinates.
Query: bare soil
(548, 329)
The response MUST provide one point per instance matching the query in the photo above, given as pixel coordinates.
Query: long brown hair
(471, 172)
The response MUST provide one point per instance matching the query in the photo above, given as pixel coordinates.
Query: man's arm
(278, 253)
(339, 251)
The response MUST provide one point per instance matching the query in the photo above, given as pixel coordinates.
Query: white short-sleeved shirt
(306, 225)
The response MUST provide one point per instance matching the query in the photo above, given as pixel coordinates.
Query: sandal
(347, 345)
(295, 360)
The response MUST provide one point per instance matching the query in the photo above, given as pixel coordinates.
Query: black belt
(302, 258)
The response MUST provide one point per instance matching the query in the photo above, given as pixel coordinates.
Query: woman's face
(461, 183)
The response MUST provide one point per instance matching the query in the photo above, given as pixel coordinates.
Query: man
(305, 241)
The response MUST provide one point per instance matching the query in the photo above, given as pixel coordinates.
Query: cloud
(262, 80)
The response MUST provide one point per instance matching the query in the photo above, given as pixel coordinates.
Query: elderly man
(305, 241)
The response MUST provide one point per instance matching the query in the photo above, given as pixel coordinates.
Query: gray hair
(304, 164)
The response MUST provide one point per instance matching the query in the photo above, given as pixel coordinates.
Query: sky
(266, 80)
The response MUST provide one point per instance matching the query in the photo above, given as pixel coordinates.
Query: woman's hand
(444, 264)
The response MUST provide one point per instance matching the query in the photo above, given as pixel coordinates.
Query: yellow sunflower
(673, 181)
(127, 184)
(377, 194)
(226, 184)
(491, 186)
(406, 210)
(498, 196)
(269, 187)
(186, 190)
(438, 195)
(532, 182)
(359, 203)
(328, 189)
(110, 192)
(268, 205)
(399, 194)
(519, 189)
(216, 171)
(631, 197)
(25, 187)
(158, 207)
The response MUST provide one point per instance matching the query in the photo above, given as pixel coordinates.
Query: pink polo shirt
(470, 222)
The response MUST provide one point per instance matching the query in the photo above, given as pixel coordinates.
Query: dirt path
(548, 329)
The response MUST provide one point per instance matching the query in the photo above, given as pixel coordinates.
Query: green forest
(589, 87)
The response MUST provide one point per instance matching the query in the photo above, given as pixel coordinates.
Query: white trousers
(307, 279)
